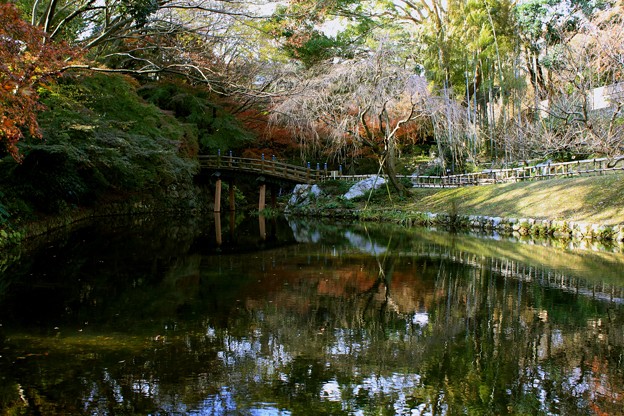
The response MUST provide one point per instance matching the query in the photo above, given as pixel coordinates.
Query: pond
(250, 316)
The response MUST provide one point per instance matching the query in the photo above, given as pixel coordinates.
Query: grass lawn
(596, 199)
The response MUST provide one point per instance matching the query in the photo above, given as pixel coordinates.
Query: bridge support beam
(232, 198)
(217, 201)
(232, 226)
(262, 198)
(262, 227)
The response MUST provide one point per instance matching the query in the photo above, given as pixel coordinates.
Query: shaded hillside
(102, 142)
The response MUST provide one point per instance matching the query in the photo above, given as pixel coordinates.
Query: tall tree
(543, 27)
(312, 31)
(467, 49)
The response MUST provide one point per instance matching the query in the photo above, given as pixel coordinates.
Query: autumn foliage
(27, 59)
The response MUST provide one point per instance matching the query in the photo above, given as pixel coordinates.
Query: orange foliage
(27, 59)
(272, 140)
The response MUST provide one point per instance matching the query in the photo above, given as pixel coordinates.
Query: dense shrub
(99, 137)
(216, 128)
(335, 187)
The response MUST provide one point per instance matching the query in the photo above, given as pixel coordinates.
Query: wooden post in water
(262, 202)
(232, 198)
(232, 225)
(218, 236)
(262, 227)
(217, 201)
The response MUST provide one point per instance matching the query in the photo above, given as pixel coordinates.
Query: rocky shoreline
(517, 227)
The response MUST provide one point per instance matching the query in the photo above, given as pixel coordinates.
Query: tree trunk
(389, 165)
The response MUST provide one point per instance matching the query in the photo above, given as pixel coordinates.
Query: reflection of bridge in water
(547, 277)
(508, 268)
(255, 233)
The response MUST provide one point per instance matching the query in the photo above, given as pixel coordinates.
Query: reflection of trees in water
(510, 355)
(393, 329)
(491, 343)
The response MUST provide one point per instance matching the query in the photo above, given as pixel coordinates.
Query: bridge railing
(271, 167)
(303, 174)
(600, 166)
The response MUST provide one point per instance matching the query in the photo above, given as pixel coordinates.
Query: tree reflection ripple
(170, 317)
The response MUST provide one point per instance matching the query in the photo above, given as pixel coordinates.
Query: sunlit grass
(597, 199)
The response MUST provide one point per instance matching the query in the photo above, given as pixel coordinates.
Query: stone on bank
(303, 195)
(363, 187)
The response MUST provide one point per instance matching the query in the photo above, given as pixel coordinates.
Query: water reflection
(173, 317)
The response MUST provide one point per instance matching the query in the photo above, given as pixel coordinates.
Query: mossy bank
(110, 146)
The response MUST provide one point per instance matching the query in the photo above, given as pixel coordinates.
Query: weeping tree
(375, 102)
(467, 50)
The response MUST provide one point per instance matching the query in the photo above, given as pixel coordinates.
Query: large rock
(362, 187)
(302, 194)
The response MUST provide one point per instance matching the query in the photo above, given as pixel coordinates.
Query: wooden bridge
(265, 171)
(272, 170)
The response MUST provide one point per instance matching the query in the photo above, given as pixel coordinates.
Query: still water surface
(178, 317)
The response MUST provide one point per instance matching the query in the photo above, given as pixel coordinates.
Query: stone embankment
(507, 226)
